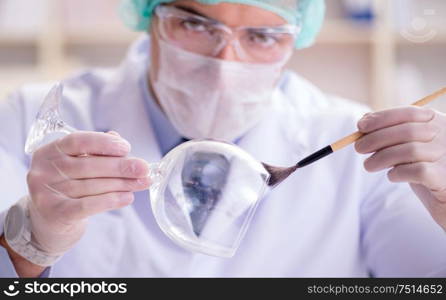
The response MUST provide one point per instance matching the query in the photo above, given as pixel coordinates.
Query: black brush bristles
(278, 174)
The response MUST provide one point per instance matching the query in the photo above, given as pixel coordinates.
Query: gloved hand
(73, 178)
(411, 142)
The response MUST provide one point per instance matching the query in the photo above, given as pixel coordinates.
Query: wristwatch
(17, 232)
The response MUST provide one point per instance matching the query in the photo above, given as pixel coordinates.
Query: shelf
(340, 32)
(100, 37)
(334, 32)
(79, 38)
(11, 40)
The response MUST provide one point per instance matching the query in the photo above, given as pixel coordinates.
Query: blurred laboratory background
(379, 52)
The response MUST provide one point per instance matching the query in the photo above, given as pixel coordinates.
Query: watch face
(14, 223)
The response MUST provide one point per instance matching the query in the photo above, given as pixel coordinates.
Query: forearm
(23, 267)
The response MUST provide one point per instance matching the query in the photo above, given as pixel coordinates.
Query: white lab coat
(330, 219)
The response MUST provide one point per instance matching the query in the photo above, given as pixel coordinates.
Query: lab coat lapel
(121, 106)
(277, 139)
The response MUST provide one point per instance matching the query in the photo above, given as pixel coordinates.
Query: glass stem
(155, 174)
(67, 129)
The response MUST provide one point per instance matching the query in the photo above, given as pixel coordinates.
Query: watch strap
(21, 241)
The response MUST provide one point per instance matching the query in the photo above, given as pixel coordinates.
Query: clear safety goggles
(209, 37)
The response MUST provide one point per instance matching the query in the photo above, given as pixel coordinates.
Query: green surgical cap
(137, 14)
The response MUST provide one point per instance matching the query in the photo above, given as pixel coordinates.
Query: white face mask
(205, 97)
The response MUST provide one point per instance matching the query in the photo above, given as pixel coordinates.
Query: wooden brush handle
(357, 135)
(346, 141)
(430, 98)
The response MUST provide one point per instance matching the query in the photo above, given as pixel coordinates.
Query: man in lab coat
(214, 69)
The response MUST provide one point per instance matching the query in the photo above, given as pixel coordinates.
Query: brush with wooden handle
(279, 174)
